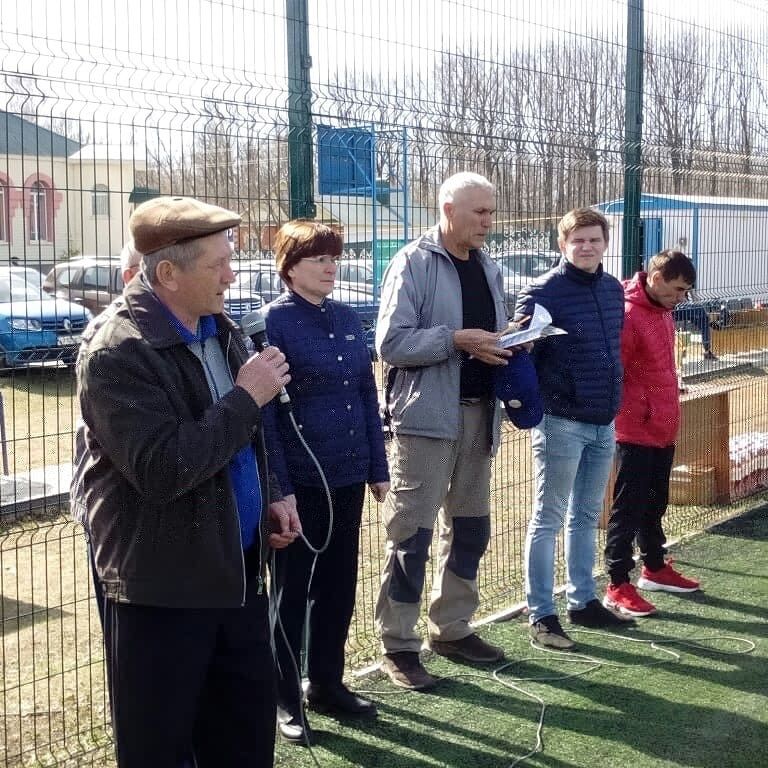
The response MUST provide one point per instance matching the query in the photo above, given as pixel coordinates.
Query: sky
(242, 37)
(138, 54)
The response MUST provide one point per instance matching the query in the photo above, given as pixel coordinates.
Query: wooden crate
(735, 339)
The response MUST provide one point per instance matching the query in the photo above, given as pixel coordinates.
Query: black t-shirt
(478, 312)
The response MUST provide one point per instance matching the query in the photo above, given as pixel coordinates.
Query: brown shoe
(405, 670)
(470, 648)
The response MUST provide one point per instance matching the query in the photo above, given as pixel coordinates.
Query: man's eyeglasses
(324, 259)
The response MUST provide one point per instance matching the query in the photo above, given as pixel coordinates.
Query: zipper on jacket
(612, 398)
(260, 587)
(237, 511)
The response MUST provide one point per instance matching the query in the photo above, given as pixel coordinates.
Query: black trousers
(640, 500)
(331, 598)
(189, 682)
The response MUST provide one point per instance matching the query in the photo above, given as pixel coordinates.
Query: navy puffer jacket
(334, 397)
(580, 373)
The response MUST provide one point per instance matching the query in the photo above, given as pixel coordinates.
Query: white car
(518, 268)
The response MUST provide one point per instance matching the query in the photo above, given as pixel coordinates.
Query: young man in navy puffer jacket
(580, 375)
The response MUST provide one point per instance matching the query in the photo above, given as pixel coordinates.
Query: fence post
(2, 435)
(633, 137)
(301, 191)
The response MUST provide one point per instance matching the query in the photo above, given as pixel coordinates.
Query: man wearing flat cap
(179, 508)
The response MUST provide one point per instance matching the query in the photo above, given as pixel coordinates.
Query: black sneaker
(596, 616)
(548, 633)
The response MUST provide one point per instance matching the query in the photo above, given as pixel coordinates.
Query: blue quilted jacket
(580, 373)
(334, 397)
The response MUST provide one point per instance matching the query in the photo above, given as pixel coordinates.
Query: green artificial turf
(635, 705)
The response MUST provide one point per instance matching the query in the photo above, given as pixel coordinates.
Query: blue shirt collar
(206, 326)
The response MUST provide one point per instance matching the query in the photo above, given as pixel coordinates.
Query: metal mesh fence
(355, 113)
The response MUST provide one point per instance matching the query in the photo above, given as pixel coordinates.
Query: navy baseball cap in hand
(517, 386)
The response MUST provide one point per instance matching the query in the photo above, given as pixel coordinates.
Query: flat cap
(517, 386)
(165, 221)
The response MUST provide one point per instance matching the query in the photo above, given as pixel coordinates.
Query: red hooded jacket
(650, 402)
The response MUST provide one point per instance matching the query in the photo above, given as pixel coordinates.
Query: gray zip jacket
(420, 310)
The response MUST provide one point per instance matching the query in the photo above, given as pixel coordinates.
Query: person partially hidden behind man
(179, 510)
(646, 428)
(442, 310)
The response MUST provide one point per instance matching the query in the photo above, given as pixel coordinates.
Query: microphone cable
(277, 594)
(587, 664)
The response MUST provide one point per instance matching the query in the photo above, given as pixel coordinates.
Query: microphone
(254, 326)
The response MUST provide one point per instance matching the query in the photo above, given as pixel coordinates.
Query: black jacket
(152, 479)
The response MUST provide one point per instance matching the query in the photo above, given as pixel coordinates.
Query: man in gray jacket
(442, 308)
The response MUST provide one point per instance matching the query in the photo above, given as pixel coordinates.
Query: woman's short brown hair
(300, 238)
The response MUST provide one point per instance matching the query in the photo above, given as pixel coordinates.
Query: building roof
(19, 136)
(110, 153)
(653, 201)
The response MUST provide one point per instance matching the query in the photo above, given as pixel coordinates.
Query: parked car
(518, 268)
(27, 274)
(35, 327)
(95, 282)
(91, 281)
(261, 277)
(358, 272)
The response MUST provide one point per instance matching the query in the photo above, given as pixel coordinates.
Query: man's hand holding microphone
(264, 375)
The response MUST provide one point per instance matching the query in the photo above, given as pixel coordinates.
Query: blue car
(35, 327)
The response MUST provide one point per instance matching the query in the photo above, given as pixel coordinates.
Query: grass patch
(639, 707)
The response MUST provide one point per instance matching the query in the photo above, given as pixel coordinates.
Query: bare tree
(675, 89)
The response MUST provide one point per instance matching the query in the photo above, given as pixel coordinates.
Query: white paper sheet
(539, 326)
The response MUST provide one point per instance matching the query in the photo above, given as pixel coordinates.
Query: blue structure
(346, 159)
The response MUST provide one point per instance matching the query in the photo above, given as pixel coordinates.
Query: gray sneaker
(548, 633)
(405, 670)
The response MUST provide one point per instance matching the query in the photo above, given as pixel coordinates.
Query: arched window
(4, 218)
(100, 200)
(39, 212)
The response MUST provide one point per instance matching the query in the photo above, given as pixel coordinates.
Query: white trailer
(726, 237)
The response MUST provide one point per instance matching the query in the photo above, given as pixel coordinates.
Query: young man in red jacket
(646, 427)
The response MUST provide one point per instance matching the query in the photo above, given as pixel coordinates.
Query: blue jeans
(573, 461)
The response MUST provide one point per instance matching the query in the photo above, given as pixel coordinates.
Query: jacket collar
(300, 301)
(635, 293)
(579, 275)
(432, 240)
(159, 326)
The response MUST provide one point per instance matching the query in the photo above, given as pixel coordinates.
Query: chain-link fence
(655, 112)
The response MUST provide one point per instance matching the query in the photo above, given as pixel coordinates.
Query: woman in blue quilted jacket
(335, 411)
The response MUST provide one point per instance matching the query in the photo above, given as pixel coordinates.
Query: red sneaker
(666, 579)
(623, 598)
